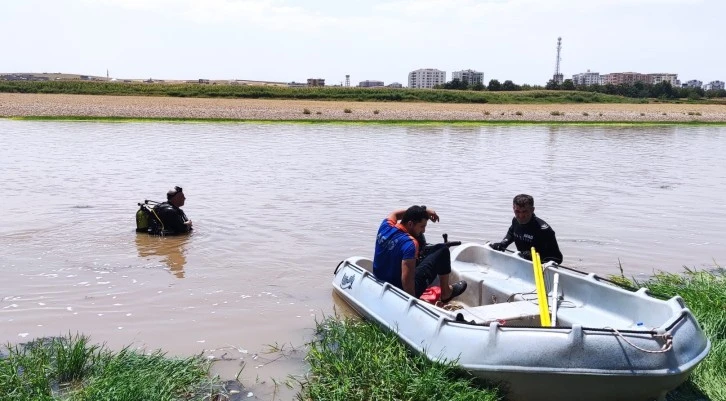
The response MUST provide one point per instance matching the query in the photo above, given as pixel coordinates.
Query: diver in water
(165, 218)
(173, 220)
(528, 230)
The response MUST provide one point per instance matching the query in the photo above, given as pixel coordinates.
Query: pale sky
(285, 40)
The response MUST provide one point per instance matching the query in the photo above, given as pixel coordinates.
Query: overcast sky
(285, 40)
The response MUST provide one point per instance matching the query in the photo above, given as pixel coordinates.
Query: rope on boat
(667, 339)
(451, 307)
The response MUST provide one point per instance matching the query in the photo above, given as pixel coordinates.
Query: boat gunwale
(683, 313)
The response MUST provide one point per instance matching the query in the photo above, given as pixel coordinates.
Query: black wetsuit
(536, 233)
(172, 219)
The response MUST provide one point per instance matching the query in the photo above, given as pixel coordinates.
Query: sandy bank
(27, 105)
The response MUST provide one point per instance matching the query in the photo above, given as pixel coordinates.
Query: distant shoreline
(144, 108)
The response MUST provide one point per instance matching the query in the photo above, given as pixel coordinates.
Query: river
(276, 206)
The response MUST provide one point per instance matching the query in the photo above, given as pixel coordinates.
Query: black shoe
(457, 289)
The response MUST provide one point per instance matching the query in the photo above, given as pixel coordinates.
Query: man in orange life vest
(397, 249)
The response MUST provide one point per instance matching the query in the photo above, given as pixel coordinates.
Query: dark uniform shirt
(536, 233)
(172, 218)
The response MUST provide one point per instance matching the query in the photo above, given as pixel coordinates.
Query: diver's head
(176, 196)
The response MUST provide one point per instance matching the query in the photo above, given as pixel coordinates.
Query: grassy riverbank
(71, 369)
(313, 93)
(357, 361)
(705, 296)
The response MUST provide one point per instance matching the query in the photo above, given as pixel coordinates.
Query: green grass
(355, 360)
(70, 369)
(705, 295)
(317, 93)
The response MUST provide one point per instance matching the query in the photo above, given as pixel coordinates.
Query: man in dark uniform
(173, 219)
(527, 231)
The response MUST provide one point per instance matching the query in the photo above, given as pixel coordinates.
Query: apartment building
(617, 78)
(426, 78)
(370, 84)
(316, 82)
(694, 83)
(659, 77)
(587, 78)
(714, 85)
(469, 76)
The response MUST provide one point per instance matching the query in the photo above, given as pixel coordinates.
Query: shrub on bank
(705, 295)
(353, 360)
(307, 93)
(69, 368)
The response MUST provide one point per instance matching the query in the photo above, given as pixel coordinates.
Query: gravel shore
(31, 105)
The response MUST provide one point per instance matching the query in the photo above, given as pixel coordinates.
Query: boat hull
(587, 359)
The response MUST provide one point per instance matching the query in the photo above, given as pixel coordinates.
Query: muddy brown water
(277, 206)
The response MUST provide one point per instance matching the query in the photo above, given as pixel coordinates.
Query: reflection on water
(171, 249)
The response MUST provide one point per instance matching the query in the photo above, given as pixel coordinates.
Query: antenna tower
(347, 80)
(558, 78)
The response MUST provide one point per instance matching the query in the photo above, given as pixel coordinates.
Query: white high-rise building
(471, 77)
(426, 78)
(694, 83)
(587, 78)
(714, 85)
(664, 77)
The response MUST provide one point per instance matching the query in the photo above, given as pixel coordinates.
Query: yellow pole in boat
(544, 312)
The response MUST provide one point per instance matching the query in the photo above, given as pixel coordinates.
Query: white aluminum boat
(606, 342)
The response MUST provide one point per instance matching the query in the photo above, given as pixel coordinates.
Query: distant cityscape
(425, 78)
(428, 78)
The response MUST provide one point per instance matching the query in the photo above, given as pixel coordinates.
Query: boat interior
(501, 288)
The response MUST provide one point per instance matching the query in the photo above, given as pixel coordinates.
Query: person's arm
(408, 273)
(504, 243)
(550, 249)
(410, 251)
(173, 220)
(509, 238)
(186, 220)
(432, 215)
(396, 215)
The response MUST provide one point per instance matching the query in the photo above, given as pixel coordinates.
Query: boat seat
(519, 313)
(591, 317)
(501, 286)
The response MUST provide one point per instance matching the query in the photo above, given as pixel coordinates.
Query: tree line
(663, 90)
(494, 86)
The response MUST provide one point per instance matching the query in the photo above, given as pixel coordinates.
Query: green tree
(552, 85)
(456, 83)
(712, 93)
(478, 86)
(494, 85)
(510, 86)
(663, 90)
(568, 85)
